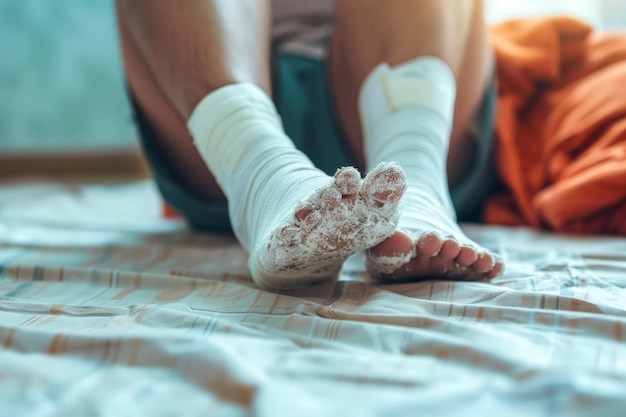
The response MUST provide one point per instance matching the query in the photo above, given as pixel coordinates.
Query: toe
(450, 249)
(396, 245)
(428, 244)
(467, 256)
(347, 181)
(308, 217)
(484, 263)
(496, 270)
(329, 198)
(386, 183)
(302, 213)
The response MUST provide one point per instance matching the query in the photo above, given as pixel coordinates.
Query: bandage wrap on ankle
(425, 82)
(239, 134)
(407, 114)
(224, 115)
(422, 85)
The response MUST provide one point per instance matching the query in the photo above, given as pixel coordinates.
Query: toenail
(303, 213)
(382, 197)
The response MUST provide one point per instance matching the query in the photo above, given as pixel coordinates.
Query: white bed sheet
(107, 309)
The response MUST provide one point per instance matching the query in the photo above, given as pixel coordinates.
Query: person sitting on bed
(253, 112)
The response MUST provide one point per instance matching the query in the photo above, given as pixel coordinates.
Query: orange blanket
(561, 129)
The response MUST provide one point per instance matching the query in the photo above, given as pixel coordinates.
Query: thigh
(370, 32)
(474, 81)
(181, 175)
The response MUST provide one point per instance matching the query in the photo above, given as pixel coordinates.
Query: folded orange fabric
(561, 127)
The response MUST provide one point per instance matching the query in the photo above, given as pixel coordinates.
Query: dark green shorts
(302, 96)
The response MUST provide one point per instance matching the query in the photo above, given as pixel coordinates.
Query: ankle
(415, 98)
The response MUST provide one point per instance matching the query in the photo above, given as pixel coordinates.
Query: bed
(108, 309)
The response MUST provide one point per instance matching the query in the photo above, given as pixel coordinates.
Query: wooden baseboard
(97, 164)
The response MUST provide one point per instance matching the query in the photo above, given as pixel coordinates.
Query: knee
(372, 31)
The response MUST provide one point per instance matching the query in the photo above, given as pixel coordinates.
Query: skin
(174, 56)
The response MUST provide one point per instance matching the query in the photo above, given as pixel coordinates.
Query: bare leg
(369, 32)
(176, 55)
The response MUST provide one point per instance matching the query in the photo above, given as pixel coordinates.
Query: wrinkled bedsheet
(107, 309)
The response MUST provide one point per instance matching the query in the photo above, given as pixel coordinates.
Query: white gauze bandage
(407, 113)
(239, 134)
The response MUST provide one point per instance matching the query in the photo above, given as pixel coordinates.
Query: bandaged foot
(310, 243)
(297, 224)
(407, 114)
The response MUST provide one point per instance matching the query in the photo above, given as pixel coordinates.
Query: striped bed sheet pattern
(106, 309)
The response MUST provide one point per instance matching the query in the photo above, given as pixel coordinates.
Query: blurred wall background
(61, 83)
